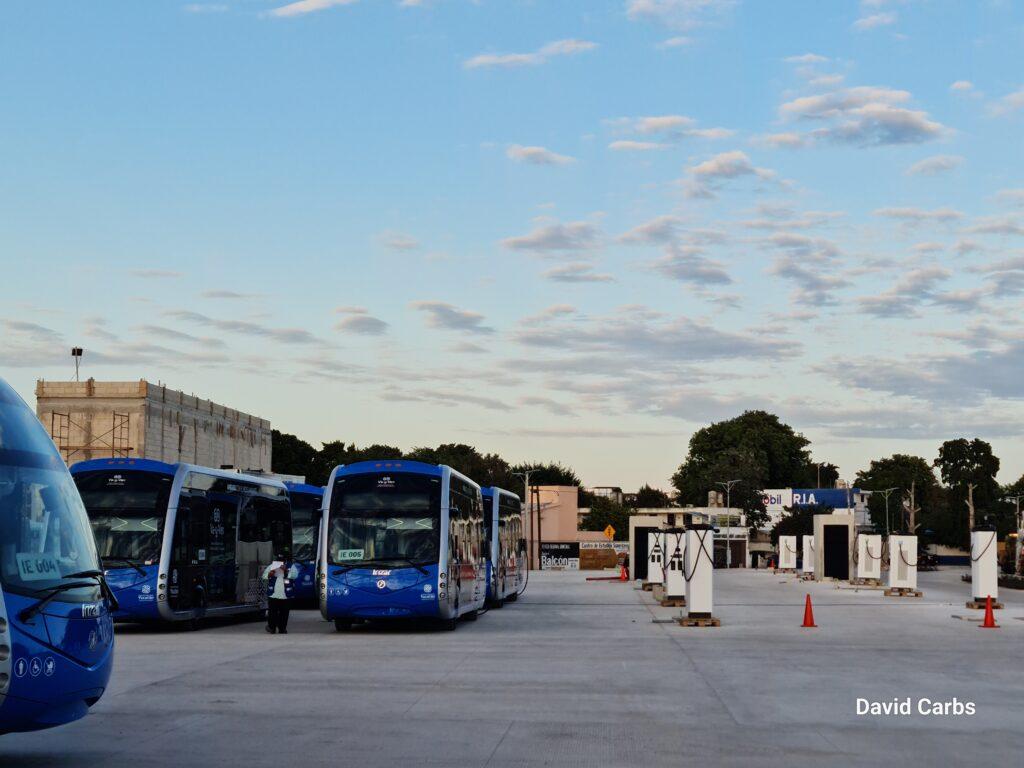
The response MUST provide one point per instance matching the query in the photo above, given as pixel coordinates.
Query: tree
(291, 456)
(605, 512)
(756, 449)
(485, 469)
(550, 473)
(827, 472)
(900, 471)
(337, 452)
(651, 498)
(963, 463)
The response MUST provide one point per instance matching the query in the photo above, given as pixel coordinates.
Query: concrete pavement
(575, 674)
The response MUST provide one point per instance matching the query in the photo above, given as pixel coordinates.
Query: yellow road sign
(610, 533)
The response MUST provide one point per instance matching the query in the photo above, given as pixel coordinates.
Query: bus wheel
(340, 625)
(513, 597)
(192, 624)
(497, 603)
(471, 616)
(449, 625)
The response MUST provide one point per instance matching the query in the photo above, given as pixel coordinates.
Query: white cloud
(200, 8)
(576, 272)
(398, 241)
(677, 14)
(919, 215)
(446, 316)
(541, 55)
(962, 86)
(675, 42)
(789, 140)
(360, 321)
(874, 21)
(553, 236)
(936, 164)
(806, 58)
(1011, 102)
(537, 156)
(635, 146)
(302, 7)
(673, 127)
(687, 264)
(659, 230)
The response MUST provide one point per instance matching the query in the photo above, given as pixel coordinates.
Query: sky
(555, 230)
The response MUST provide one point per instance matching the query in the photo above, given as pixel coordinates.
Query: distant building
(136, 419)
(842, 500)
(606, 492)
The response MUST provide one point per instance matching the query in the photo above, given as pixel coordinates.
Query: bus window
(127, 512)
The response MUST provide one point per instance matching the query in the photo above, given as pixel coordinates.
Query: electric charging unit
(903, 566)
(787, 553)
(699, 562)
(675, 581)
(808, 555)
(869, 558)
(984, 567)
(655, 559)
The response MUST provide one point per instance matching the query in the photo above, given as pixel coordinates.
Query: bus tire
(471, 615)
(341, 625)
(449, 625)
(497, 603)
(513, 597)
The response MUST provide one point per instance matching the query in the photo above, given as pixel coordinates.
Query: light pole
(728, 484)
(887, 491)
(1020, 530)
(529, 511)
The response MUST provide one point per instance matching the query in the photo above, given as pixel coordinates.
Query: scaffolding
(114, 443)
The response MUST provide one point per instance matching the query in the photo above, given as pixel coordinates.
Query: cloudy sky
(572, 230)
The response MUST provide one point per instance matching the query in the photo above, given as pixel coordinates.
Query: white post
(808, 554)
(869, 556)
(903, 562)
(675, 581)
(700, 569)
(655, 558)
(984, 565)
(787, 553)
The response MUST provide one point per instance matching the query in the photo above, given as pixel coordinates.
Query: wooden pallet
(699, 621)
(647, 586)
(866, 582)
(784, 570)
(979, 605)
(903, 592)
(807, 577)
(673, 602)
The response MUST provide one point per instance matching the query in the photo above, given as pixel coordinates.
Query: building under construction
(135, 419)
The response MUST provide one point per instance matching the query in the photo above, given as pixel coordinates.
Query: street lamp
(887, 491)
(1020, 529)
(728, 484)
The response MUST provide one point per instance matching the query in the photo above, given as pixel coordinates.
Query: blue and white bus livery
(504, 545)
(402, 539)
(307, 501)
(56, 632)
(181, 542)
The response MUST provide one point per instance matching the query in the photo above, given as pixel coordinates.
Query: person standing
(279, 576)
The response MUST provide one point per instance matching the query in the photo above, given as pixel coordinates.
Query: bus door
(253, 552)
(190, 554)
(221, 575)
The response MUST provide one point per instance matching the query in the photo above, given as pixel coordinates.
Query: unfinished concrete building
(136, 419)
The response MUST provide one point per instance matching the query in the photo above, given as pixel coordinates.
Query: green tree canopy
(798, 521)
(605, 512)
(549, 473)
(290, 455)
(485, 469)
(961, 462)
(756, 448)
(900, 471)
(650, 498)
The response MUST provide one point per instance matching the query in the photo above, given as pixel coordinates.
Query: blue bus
(307, 501)
(402, 539)
(56, 632)
(180, 542)
(504, 544)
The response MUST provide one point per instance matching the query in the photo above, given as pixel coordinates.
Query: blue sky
(556, 230)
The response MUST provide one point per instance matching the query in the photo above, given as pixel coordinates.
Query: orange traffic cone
(990, 619)
(623, 576)
(808, 614)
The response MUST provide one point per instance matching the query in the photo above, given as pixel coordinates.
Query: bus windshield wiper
(346, 568)
(126, 560)
(101, 579)
(35, 608)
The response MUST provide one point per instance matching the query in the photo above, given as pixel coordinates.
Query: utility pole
(1020, 531)
(912, 509)
(969, 501)
(728, 484)
(529, 509)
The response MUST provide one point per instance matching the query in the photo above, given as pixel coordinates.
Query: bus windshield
(44, 533)
(305, 525)
(127, 511)
(385, 517)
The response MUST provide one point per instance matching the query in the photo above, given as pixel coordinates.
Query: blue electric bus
(180, 542)
(402, 539)
(56, 632)
(307, 501)
(504, 544)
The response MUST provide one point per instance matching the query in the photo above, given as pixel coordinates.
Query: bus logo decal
(381, 583)
(90, 611)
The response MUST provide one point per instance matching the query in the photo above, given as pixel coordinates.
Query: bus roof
(312, 490)
(390, 465)
(493, 489)
(162, 467)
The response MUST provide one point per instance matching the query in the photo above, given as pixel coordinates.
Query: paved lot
(574, 674)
